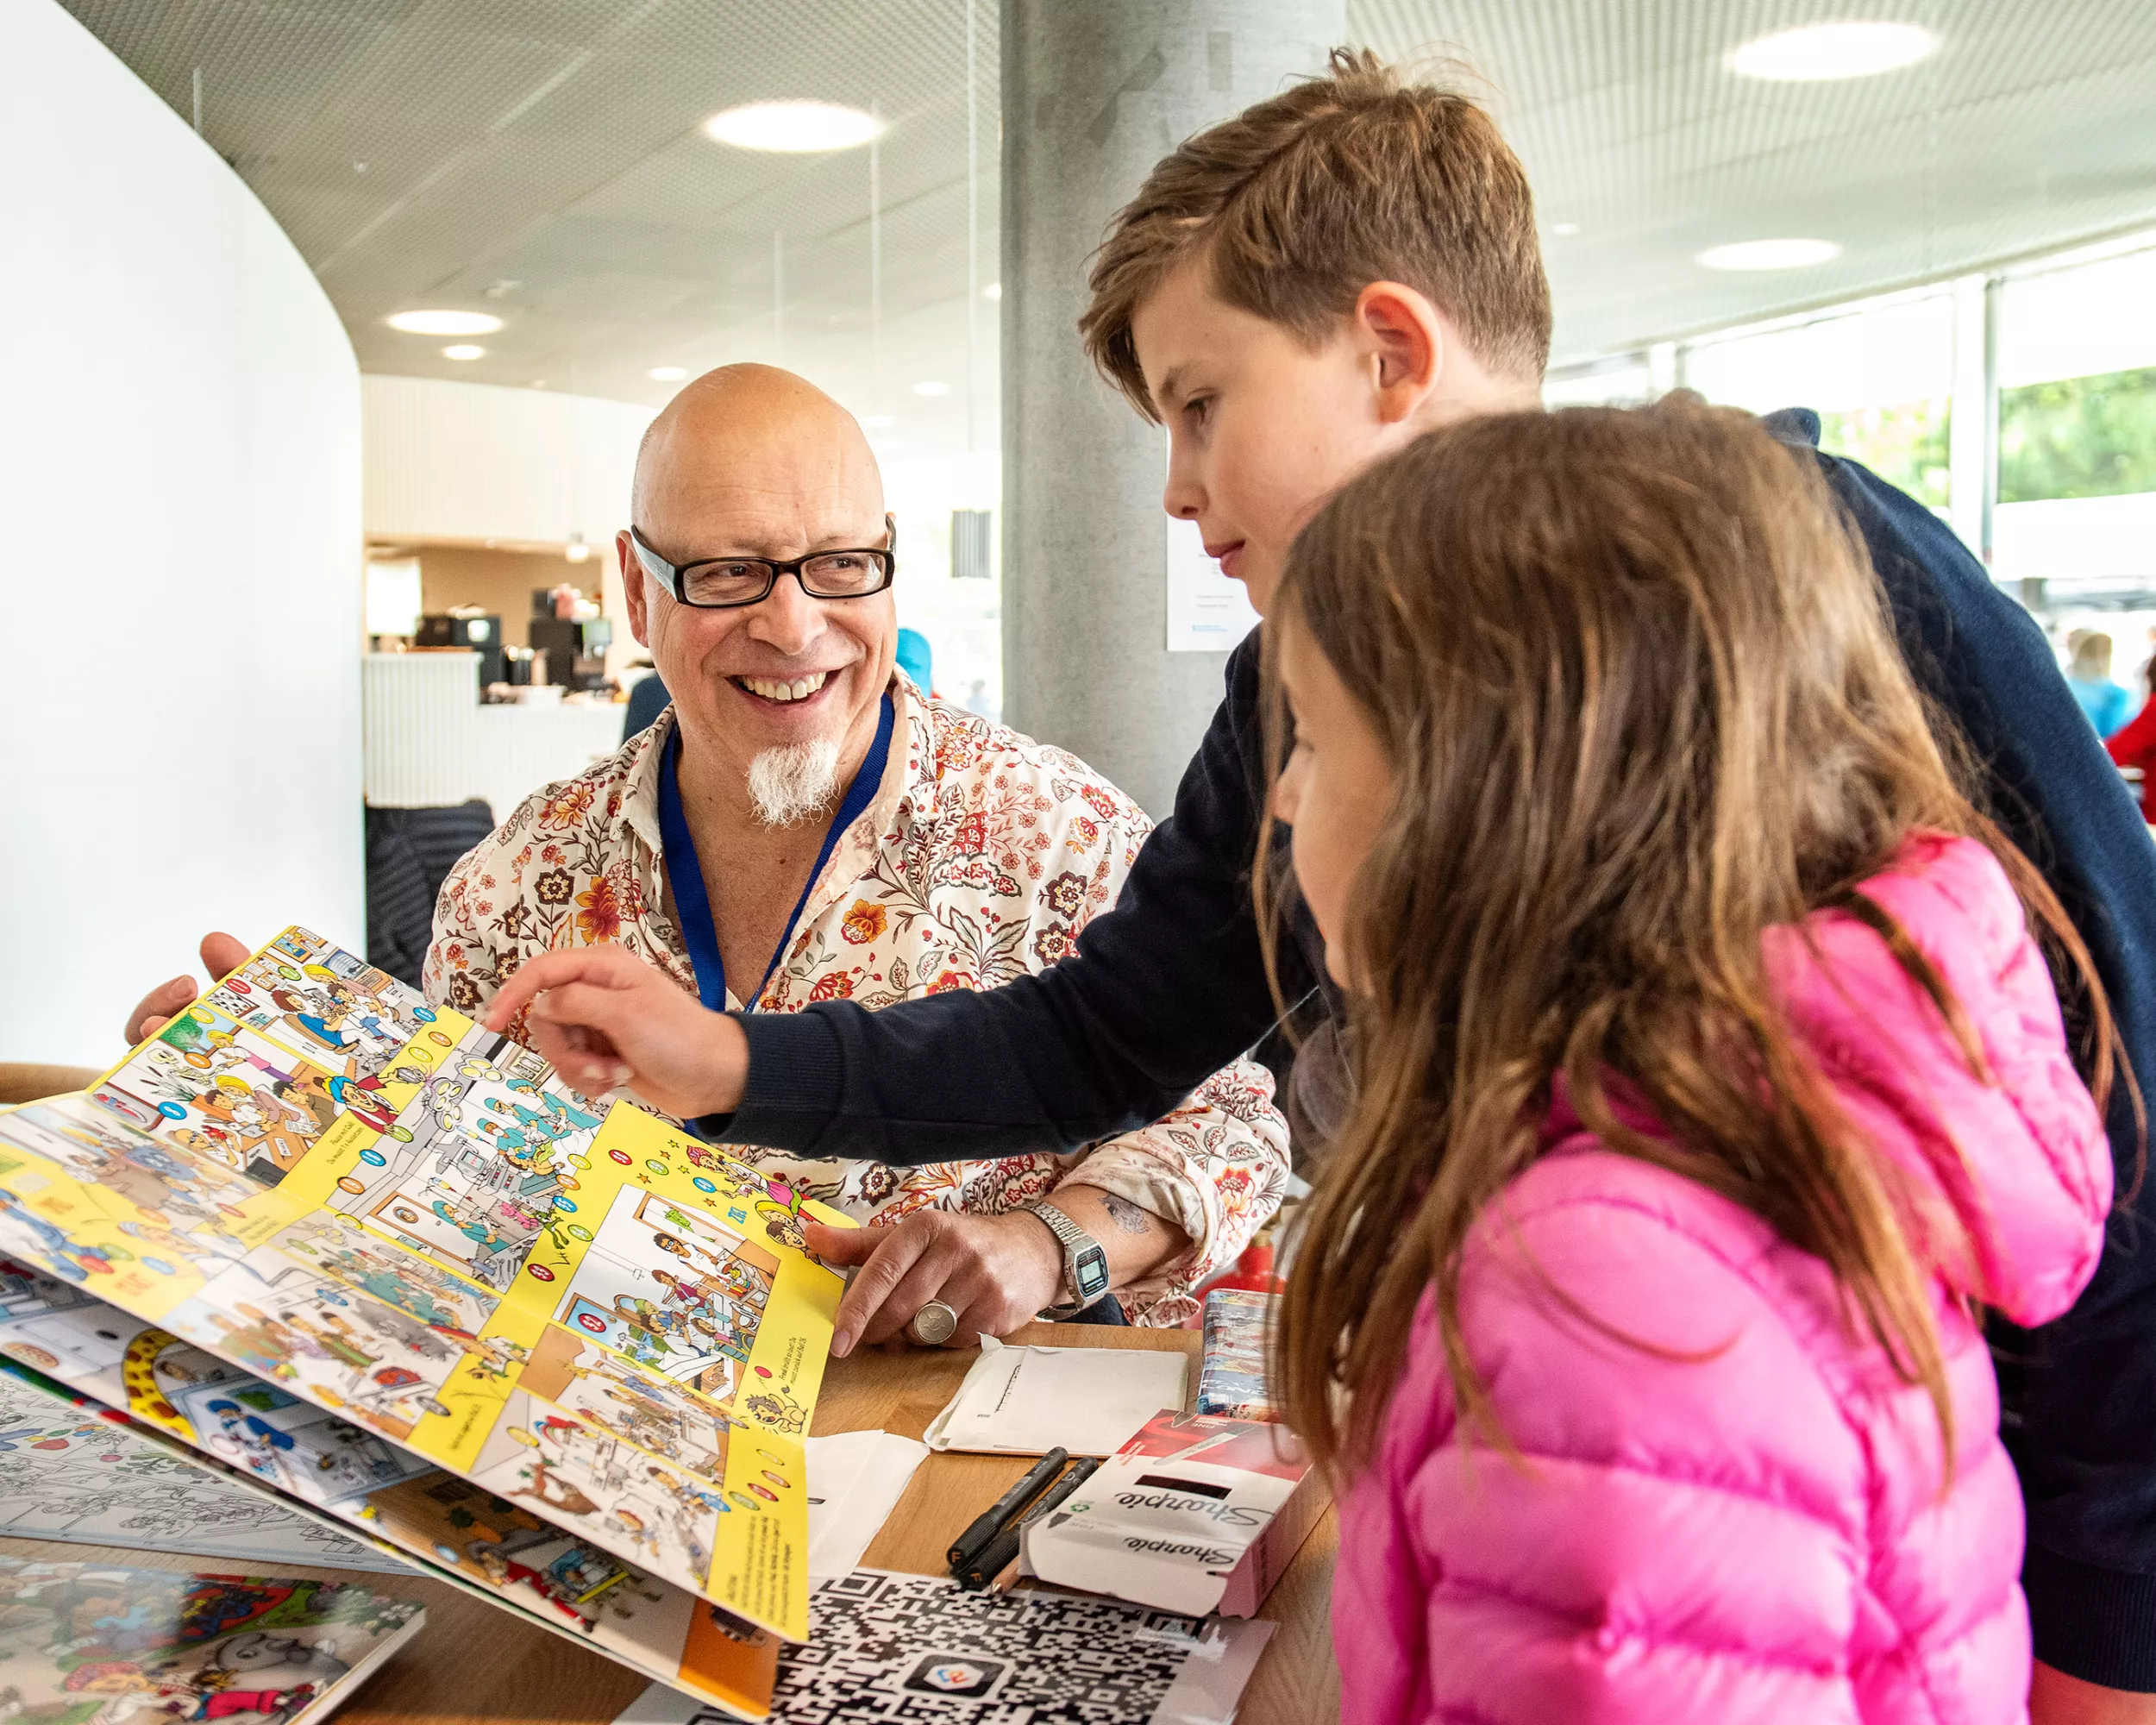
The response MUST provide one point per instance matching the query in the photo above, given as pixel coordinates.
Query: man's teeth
(800, 689)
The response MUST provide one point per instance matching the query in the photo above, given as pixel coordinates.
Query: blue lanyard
(698, 932)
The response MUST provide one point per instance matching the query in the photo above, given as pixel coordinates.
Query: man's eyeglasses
(719, 583)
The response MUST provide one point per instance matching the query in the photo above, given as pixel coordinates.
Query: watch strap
(1084, 1259)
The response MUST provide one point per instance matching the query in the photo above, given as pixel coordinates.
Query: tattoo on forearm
(1131, 1218)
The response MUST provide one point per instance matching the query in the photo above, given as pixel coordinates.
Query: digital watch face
(1092, 1273)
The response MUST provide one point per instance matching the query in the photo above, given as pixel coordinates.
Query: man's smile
(783, 690)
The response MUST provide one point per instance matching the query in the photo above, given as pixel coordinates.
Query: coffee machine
(576, 652)
(481, 634)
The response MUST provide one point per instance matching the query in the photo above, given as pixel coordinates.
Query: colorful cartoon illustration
(98, 1645)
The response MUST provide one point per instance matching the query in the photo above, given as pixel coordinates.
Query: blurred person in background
(2109, 706)
(2134, 745)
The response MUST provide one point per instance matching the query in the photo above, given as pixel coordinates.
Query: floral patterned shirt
(980, 856)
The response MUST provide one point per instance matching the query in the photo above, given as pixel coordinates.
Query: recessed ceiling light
(876, 421)
(993, 290)
(1811, 53)
(446, 323)
(463, 350)
(1564, 230)
(667, 373)
(1769, 254)
(932, 387)
(795, 127)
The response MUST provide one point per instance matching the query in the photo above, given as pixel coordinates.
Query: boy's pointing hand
(609, 1021)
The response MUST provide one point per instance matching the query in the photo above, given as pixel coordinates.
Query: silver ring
(935, 1324)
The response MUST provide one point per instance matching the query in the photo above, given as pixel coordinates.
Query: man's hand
(996, 1272)
(609, 1021)
(221, 954)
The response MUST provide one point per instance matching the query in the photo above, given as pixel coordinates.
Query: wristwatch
(1085, 1264)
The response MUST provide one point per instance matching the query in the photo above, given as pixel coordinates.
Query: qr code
(887, 1647)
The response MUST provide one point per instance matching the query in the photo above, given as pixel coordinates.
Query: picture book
(74, 1473)
(440, 1272)
(84, 1643)
(278, 1450)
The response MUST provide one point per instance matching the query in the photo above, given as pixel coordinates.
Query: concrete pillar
(1094, 92)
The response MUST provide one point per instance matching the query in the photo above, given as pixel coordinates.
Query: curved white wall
(180, 462)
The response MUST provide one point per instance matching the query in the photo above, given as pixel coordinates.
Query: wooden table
(474, 1662)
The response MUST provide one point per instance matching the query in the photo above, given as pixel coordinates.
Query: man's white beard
(790, 783)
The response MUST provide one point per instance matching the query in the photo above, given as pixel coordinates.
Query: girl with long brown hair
(1707, 1078)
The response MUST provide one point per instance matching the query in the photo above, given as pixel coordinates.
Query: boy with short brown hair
(1293, 294)
(1302, 201)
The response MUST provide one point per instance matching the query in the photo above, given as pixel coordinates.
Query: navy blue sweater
(1170, 986)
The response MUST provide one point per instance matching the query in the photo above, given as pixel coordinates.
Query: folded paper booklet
(87, 1644)
(1195, 1514)
(467, 1309)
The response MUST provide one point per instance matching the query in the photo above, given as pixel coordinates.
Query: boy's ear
(1404, 337)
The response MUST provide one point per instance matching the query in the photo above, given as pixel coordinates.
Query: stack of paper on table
(375, 1257)
(1028, 1401)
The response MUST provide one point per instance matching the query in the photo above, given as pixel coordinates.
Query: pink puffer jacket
(1758, 1535)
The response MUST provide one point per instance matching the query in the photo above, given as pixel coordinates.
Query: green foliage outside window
(1904, 444)
(2085, 436)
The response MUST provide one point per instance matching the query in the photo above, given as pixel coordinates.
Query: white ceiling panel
(541, 159)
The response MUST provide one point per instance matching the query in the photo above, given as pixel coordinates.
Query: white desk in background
(429, 742)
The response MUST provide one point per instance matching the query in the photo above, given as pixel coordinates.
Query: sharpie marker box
(1195, 1513)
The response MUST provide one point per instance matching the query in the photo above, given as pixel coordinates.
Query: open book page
(387, 1212)
(303, 1461)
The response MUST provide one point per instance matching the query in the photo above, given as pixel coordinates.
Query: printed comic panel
(675, 1292)
(57, 1328)
(575, 1376)
(589, 1482)
(290, 1321)
(501, 1544)
(184, 1205)
(352, 1259)
(323, 1003)
(118, 1359)
(247, 1104)
(292, 1445)
(472, 1170)
(26, 1235)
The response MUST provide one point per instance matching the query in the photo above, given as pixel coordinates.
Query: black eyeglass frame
(674, 577)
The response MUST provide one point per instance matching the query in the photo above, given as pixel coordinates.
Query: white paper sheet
(855, 1482)
(1025, 1401)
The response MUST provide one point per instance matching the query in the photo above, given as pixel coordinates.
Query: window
(2076, 377)
(1880, 375)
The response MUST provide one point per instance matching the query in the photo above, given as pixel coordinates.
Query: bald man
(804, 823)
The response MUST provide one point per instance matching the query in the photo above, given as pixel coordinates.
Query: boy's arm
(1163, 990)
(2081, 1391)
